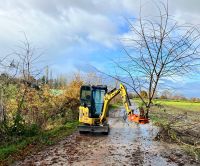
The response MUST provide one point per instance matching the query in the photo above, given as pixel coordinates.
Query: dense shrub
(29, 110)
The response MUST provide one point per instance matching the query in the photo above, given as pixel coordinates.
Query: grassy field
(177, 105)
(182, 105)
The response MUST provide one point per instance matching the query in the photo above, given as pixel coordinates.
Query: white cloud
(62, 26)
(56, 24)
(77, 21)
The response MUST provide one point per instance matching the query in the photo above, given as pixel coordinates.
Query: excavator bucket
(138, 119)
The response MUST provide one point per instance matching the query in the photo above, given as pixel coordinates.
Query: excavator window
(98, 97)
(93, 98)
(86, 96)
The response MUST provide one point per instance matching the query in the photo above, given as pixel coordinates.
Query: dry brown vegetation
(180, 126)
(27, 106)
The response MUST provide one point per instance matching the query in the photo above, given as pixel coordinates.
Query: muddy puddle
(126, 144)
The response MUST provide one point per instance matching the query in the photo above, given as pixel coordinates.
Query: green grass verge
(18, 148)
(184, 105)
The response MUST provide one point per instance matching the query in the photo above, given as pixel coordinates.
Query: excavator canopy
(93, 98)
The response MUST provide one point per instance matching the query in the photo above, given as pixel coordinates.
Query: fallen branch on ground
(182, 131)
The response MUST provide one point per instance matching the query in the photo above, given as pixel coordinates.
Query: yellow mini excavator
(93, 112)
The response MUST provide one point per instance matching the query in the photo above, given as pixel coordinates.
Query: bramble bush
(29, 110)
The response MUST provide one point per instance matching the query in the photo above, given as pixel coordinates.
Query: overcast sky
(75, 33)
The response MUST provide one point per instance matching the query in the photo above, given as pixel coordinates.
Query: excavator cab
(92, 97)
(92, 102)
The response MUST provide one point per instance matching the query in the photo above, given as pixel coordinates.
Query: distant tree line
(165, 95)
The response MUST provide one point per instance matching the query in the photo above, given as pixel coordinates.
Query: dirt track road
(127, 144)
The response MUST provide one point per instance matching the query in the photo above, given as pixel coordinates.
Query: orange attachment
(138, 119)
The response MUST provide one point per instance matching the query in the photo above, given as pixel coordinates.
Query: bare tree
(93, 78)
(22, 69)
(156, 48)
(166, 94)
(27, 59)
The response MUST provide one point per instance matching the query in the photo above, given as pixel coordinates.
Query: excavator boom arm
(110, 95)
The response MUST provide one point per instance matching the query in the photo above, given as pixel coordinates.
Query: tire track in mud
(126, 144)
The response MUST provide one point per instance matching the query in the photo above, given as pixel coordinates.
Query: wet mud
(127, 144)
